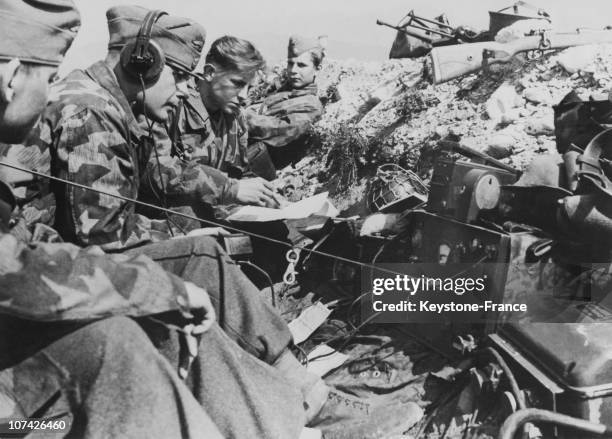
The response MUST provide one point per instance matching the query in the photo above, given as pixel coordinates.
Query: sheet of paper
(310, 433)
(315, 205)
(308, 322)
(331, 360)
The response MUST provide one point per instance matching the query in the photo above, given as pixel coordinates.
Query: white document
(308, 322)
(331, 360)
(310, 433)
(315, 205)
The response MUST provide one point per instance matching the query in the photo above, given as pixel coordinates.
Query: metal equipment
(462, 190)
(396, 189)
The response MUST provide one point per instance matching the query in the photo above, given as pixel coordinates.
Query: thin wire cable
(202, 220)
(348, 337)
(349, 312)
(266, 275)
(304, 354)
(161, 198)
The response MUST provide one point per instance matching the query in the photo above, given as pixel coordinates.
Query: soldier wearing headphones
(90, 126)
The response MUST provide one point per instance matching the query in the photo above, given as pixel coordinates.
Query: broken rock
(511, 116)
(501, 145)
(521, 28)
(441, 131)
(537, 95)
(576, 59)
(540, 126)
(504, 99)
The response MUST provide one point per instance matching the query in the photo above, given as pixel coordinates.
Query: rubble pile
(506, 112)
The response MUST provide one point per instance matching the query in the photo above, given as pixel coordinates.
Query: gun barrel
(405, 31)
(433, 31)
(430, 21)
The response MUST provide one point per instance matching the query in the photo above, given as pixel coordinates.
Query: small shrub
(348, 149)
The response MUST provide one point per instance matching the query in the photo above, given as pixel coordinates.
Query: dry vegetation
(381, 112)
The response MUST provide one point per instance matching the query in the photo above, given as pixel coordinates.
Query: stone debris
(502, 104)
(537, 95)
(576, 59)
(506, 112)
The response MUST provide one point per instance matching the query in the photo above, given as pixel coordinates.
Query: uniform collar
(310, 89)
(198, 117)
(196, 114)
(105, 77)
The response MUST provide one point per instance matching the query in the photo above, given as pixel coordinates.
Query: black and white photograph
(323, 219)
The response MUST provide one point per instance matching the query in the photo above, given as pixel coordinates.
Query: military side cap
(299, 45)
(181, 39)
(37, 31)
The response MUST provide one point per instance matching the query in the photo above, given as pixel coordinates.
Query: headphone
(144, 59)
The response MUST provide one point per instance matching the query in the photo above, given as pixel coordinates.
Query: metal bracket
(292, 256)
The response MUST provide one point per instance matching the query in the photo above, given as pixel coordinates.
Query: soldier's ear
(209, 72)
(8, 73)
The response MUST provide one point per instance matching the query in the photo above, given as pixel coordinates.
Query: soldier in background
(279, 126)
(209, 130)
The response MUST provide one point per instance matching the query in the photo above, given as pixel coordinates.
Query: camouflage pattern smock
(283, 120)
(93, 139)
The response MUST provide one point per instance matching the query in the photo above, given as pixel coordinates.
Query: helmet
(396, 189)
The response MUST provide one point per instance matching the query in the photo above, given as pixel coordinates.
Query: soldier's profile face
(226, 90)
(25, 97)
(301, 70)
(162, 98)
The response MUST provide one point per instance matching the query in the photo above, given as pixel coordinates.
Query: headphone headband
(143, 39)
(143, 59)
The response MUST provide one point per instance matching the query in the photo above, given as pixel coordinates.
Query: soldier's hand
(199, 302)
(384, 223)
(258, 192)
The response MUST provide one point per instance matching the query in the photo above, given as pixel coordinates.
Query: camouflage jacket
(184, 173)
(49, 290)
(218, 141)
(284, 117)
(94, 140)
(60, 281)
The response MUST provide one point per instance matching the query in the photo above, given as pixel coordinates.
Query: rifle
(450, 62)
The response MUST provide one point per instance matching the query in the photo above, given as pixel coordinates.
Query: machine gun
(417, 35)
(449, 35)
(405, 30)
(447, 63)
